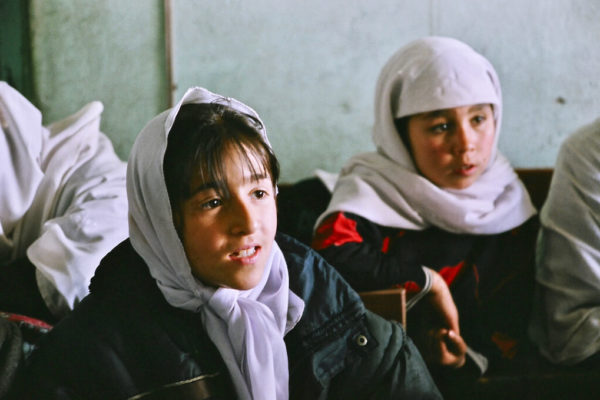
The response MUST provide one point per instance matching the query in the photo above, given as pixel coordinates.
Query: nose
(464, 139)
(244, 218)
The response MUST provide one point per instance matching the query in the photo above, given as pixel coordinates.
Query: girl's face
(452, 147)
(228, 239)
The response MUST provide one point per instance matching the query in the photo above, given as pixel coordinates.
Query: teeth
(246, 253)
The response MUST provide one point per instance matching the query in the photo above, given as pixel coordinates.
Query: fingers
(447, 348)
(455, 343)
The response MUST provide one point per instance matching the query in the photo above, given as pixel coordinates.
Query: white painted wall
(309, 67)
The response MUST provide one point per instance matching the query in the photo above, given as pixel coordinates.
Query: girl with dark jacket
(437, 208)
(204, 300)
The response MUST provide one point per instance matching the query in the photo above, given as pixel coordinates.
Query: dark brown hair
(198, 141)
(402, 128)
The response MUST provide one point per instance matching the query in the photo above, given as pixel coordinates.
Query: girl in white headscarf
(232, 272)
(437, 206)
(204, 300)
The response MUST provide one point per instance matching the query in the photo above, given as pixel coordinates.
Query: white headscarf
(246, 326)
(63, 201)
(430, 74)
(566, 317)
(20, 151)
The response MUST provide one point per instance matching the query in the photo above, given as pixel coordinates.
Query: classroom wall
(309, 67)
(15, 60)
(108, 50)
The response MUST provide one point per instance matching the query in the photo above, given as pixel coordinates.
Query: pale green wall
(309, 67)
(108, 50)
(15, 55)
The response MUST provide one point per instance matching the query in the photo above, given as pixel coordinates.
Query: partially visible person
(205, 300)
(63, 206)
(437, 208)
(565, 321)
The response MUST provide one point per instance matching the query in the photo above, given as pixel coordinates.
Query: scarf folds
(385, 187)
(247, 327)
(567, 302)
(378, 189)
(20, 174)
(66, 204)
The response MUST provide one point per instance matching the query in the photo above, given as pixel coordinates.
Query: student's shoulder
(581, 148)
(304, 264)
(302, 261)
(120, 332)
(313, 279)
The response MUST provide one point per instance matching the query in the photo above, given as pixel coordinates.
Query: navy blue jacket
(125, 341)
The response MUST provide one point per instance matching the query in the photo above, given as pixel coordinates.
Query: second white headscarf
(385, 187)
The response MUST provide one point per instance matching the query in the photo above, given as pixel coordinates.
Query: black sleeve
(19, 291)
(390, 367)
(360, 250)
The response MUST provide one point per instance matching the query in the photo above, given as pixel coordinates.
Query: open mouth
(466, 169)
(247, 254)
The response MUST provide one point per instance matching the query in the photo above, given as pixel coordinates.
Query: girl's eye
(259, 194)
(478, 119)
(439, 128)
(214, 203)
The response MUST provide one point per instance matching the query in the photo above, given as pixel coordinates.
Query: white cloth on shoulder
(247, 327)
(385, 187)
(64, 204)
(566, 316)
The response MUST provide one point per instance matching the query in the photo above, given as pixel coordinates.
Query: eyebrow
(203, 187)
(214, 186)
(432, 114)
(478, 107)
(442, 113)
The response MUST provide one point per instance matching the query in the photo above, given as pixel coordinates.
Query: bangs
(210, 168)
(201, 137)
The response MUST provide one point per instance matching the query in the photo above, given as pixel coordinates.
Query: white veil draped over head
(246, 326)
(63, 202)
(566, 312)
(385, 187)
